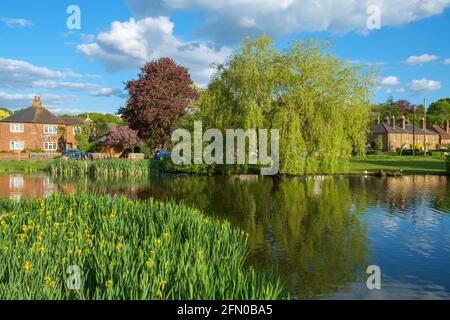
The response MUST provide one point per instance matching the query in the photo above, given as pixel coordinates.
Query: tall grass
(26, 166)
(101, 168)
(140, 168)
(125, 249)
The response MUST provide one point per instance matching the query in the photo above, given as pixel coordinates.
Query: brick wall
(14, 155)
(33, 136)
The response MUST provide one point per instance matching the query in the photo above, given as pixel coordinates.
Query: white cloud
(14, 22)
(130, 44)
(390, 81)
(108, 92)
(20, 74)
(423, 86)
(77, 86)
(21, 100)
(424, 58)
(231, 20)
(447, 61)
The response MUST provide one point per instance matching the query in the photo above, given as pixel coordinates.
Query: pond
(319, 233)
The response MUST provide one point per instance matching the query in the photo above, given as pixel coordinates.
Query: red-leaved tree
(158, 99)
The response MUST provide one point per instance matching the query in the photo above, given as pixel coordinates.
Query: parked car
(162, 154)
(76, 155)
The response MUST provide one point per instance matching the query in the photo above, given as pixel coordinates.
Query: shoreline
(369, 166)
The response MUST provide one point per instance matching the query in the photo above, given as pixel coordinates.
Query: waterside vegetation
(123, 249)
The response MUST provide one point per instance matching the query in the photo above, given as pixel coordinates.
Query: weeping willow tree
(319, 103)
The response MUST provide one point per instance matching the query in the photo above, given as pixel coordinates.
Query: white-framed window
(16, 145)
(76, 130)
(50, 146)
(16, 127)
(50, 129)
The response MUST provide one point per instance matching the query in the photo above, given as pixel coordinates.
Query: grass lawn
(27, 166)
(409, 164)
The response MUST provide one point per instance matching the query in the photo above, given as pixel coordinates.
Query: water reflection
(320, 233)
(18, 186)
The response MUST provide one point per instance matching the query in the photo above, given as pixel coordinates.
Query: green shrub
(377, 144)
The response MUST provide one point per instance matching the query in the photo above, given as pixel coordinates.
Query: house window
(76, 130)
(50, 129)
(16, 145)
(16, 127)
(50, 146)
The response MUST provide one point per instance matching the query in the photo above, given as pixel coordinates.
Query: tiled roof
(38, 114)
(34, 115)
(383, 128)
(444, 134)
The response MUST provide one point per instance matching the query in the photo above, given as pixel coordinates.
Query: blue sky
(84, 70)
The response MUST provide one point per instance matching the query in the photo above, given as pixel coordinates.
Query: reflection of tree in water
(307, 228)
(322, 243)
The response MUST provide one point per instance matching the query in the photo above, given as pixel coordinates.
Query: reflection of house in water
(401, 192)
(19, 186)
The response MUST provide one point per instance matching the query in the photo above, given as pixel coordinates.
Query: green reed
(125, 249)
(101, 168)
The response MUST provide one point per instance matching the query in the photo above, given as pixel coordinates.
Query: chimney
(393, 122)
(387, 120)
(378, 120)
(447, 127)
(403, 123)
(423, 124)
(37, 103)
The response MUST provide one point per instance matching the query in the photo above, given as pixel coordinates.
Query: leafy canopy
(158, 99)
(439, 112)
(319, 103)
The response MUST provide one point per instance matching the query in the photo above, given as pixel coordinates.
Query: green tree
(439, 112)
(319, 103)
(101, 118)
(4, 113)
(83, 138)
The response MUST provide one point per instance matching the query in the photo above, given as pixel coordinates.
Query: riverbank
(123, 249)
(26, 166)
(407, 165)
(138, 168)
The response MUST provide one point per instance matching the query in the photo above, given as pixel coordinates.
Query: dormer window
(50, 129)
(16, 127)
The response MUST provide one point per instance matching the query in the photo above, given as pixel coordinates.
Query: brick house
(401, 135)
(444, 133)
(36, 128)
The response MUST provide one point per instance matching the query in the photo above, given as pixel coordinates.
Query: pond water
(320, 233)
